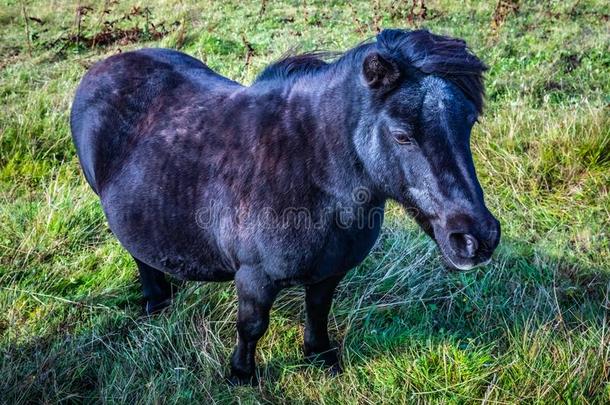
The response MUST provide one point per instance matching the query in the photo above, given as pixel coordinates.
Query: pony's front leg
(255, 293)
(318, 300)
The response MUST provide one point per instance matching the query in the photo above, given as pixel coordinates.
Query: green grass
(532, 326)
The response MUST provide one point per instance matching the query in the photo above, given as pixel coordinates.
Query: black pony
(284, 182)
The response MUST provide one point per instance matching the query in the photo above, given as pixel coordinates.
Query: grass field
(532, 326)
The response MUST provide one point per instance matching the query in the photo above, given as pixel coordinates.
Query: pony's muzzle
(471, 243)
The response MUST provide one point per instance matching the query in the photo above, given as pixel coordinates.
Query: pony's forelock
(437, 55)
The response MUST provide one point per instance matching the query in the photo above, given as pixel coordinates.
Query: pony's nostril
(471, 245)
(464, 244)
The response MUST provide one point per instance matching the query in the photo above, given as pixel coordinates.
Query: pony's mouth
(464, 267)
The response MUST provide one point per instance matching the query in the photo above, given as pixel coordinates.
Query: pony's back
(114, 98)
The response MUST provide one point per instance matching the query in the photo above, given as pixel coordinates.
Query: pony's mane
(429, 53)
(291, 65)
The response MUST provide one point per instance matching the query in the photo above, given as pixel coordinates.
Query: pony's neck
(332, 99)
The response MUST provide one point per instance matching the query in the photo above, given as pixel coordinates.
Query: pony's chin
(463, 265)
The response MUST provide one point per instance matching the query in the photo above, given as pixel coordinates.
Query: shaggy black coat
(284, 182)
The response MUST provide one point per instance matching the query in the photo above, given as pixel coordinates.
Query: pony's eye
(403, 138)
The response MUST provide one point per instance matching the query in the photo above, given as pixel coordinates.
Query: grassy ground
(532, 326)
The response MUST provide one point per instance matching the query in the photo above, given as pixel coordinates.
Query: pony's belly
(167, 239)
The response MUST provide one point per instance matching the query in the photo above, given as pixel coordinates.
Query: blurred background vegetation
(531, 326)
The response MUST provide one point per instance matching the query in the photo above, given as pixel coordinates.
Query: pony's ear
(380, 72)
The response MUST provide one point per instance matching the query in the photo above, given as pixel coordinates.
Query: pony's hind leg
(157, 290)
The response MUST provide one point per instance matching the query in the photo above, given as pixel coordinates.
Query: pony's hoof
(328, 359)
(154, 307)
(241, 379)
(335, 369)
